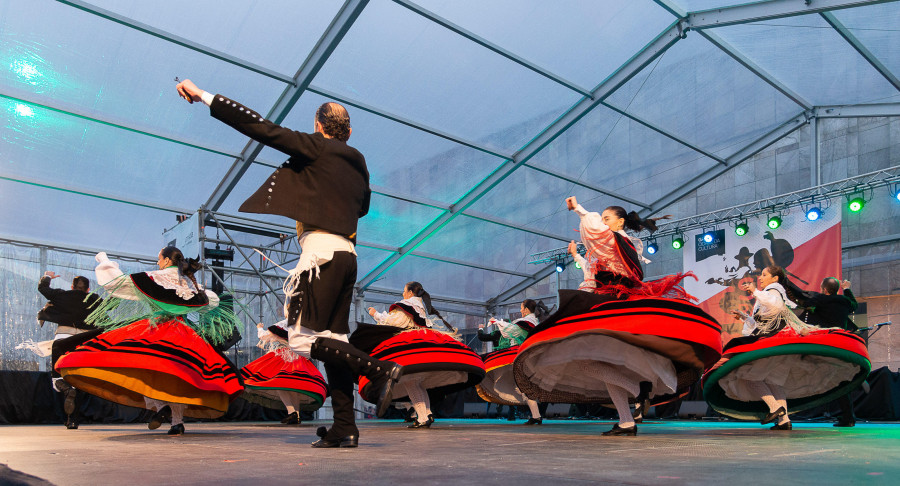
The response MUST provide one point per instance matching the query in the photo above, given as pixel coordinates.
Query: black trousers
(323, 304)
(65, 345)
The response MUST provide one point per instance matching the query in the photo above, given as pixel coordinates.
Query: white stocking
(619, 398)
(288, 400)
(177, 413)
(535, 411)
(419, 398)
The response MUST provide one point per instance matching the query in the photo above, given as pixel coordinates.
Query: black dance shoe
(71, 423)
(292, 419)
(771, 416)
(348, 441)
(784, 426)
(176, 430)
(535, 421)
(385, 388)
(616, 430)
(423, 425)
(162, 416)
(408, 416)
(851, 423)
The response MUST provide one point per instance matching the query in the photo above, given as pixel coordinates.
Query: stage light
(774, 222)
(708, 237)
(896, 191)
(741, 229)
(578, 265)
(813, 214)
(677, 242)
(856, 204)
(560, 267)
(652, 247)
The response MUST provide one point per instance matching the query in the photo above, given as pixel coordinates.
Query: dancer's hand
(748, 286)
(739, 315)
(571, 202)
(101, 257)
(50, 274)
(189, 91)
(845, 285)
(573, 248)
(259, 325)
(372, 311)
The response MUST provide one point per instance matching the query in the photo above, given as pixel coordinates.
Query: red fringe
(667, 287)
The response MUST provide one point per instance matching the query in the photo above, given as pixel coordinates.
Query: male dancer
(828, 309)
(324, 187)
(68, 309)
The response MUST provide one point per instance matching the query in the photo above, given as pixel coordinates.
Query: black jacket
(324, 184)
(66, 307)
(825, 310)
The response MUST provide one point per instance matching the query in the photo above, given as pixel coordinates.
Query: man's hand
(845, 285)
(189, 91)
(50, 274)
(571, 202)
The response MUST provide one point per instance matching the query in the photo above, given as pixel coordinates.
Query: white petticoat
(584, 364)
(799, 375)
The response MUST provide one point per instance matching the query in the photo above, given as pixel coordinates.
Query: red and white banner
(808, 250)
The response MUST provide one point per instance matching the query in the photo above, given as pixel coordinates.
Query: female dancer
(281, 374)
(498, 385)
(782, 365)
(625, 340)
(153, 356)
(431, 359)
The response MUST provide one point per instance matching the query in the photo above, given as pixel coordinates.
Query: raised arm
(243, 119)
(44, 286)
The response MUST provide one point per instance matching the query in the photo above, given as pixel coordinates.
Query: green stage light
(856, 204)
(677, 243)
(741, 229)
(774, 222)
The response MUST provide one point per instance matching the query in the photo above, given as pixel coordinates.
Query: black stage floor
(454, 452)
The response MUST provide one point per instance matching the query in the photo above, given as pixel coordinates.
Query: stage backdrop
(808, 250)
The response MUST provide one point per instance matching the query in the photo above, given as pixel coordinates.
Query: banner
(186, 236)
(808, 250)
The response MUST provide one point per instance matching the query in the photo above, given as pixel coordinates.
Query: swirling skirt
(166, 361)
(284, 371)
(594, 340)
(812, 370)
(438, 362)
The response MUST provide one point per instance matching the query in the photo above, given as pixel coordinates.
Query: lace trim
(171, 279)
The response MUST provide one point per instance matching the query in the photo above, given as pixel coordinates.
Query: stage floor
(455, 452)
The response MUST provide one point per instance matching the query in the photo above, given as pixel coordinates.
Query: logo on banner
(714, 246)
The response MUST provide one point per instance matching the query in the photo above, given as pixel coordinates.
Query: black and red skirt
(595, 339)
(812, 370)
(284, 371)
(166, 361)
(440, 363)
(499, 384)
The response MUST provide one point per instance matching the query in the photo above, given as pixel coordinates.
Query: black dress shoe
(423, 425)
(322, 431)
(176, 430)
(535, 421)
(771, 416)
(851, 423)
(616, 430)
(71, 423)
(784, 426)
(348, 441)
(292, 419)
(162, 416)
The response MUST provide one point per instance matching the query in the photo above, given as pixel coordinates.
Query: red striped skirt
(265, 376)
(167, 361)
